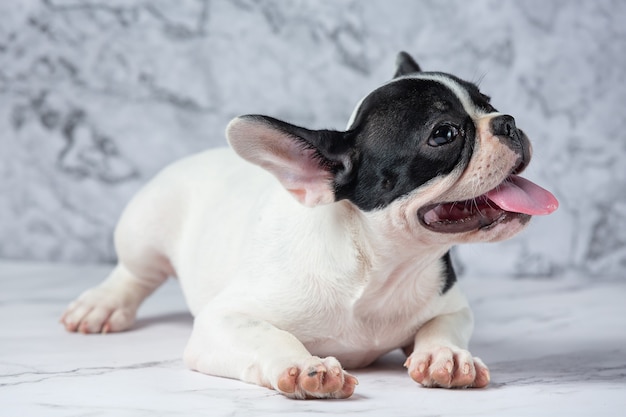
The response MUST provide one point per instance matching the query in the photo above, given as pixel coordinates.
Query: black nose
(503, 126)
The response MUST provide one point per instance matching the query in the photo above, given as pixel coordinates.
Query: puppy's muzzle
(504, 127)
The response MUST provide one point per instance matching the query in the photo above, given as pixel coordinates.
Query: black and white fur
(287, 292)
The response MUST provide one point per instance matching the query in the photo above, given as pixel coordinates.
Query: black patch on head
(449, 274)
(392, 151)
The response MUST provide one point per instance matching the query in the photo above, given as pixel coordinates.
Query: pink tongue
(519, 195)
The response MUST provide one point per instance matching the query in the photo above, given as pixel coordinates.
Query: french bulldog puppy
(302, 253)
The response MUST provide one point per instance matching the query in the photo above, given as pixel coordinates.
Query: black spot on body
(449, 274)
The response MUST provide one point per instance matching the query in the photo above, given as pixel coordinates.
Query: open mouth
(515, 197)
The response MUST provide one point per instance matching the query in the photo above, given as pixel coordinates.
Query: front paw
(447, 367)
(316, 378)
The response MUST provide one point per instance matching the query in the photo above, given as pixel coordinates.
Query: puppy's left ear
(405, 64)
(308, 163)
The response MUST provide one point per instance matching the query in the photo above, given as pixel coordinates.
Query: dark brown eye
(443, 135)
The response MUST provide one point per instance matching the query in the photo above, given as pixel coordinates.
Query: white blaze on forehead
(458, 90)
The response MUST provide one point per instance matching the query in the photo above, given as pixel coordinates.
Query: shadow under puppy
(287, 290)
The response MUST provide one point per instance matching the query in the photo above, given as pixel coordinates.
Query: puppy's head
(426, 153)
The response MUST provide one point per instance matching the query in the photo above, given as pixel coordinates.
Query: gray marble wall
(96, 96)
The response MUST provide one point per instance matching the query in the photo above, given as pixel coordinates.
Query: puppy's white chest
(380, 320)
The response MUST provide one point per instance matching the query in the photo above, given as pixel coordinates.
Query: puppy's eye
(443, 135)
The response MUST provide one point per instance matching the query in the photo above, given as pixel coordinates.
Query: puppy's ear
(308, 163)
(405, 64)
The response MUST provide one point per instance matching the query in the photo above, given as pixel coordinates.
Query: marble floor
(554, 348)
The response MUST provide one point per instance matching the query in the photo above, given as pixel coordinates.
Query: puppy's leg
(440, 357)
(238, 346)
(146, 222)
(111, 306)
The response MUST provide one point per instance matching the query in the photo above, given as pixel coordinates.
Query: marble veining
(554, 347)
(95, 97)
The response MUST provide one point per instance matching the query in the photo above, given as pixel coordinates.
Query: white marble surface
(96, 96)
(555, 348)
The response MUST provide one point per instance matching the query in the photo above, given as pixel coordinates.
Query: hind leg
(112, 305)
(142, 267)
